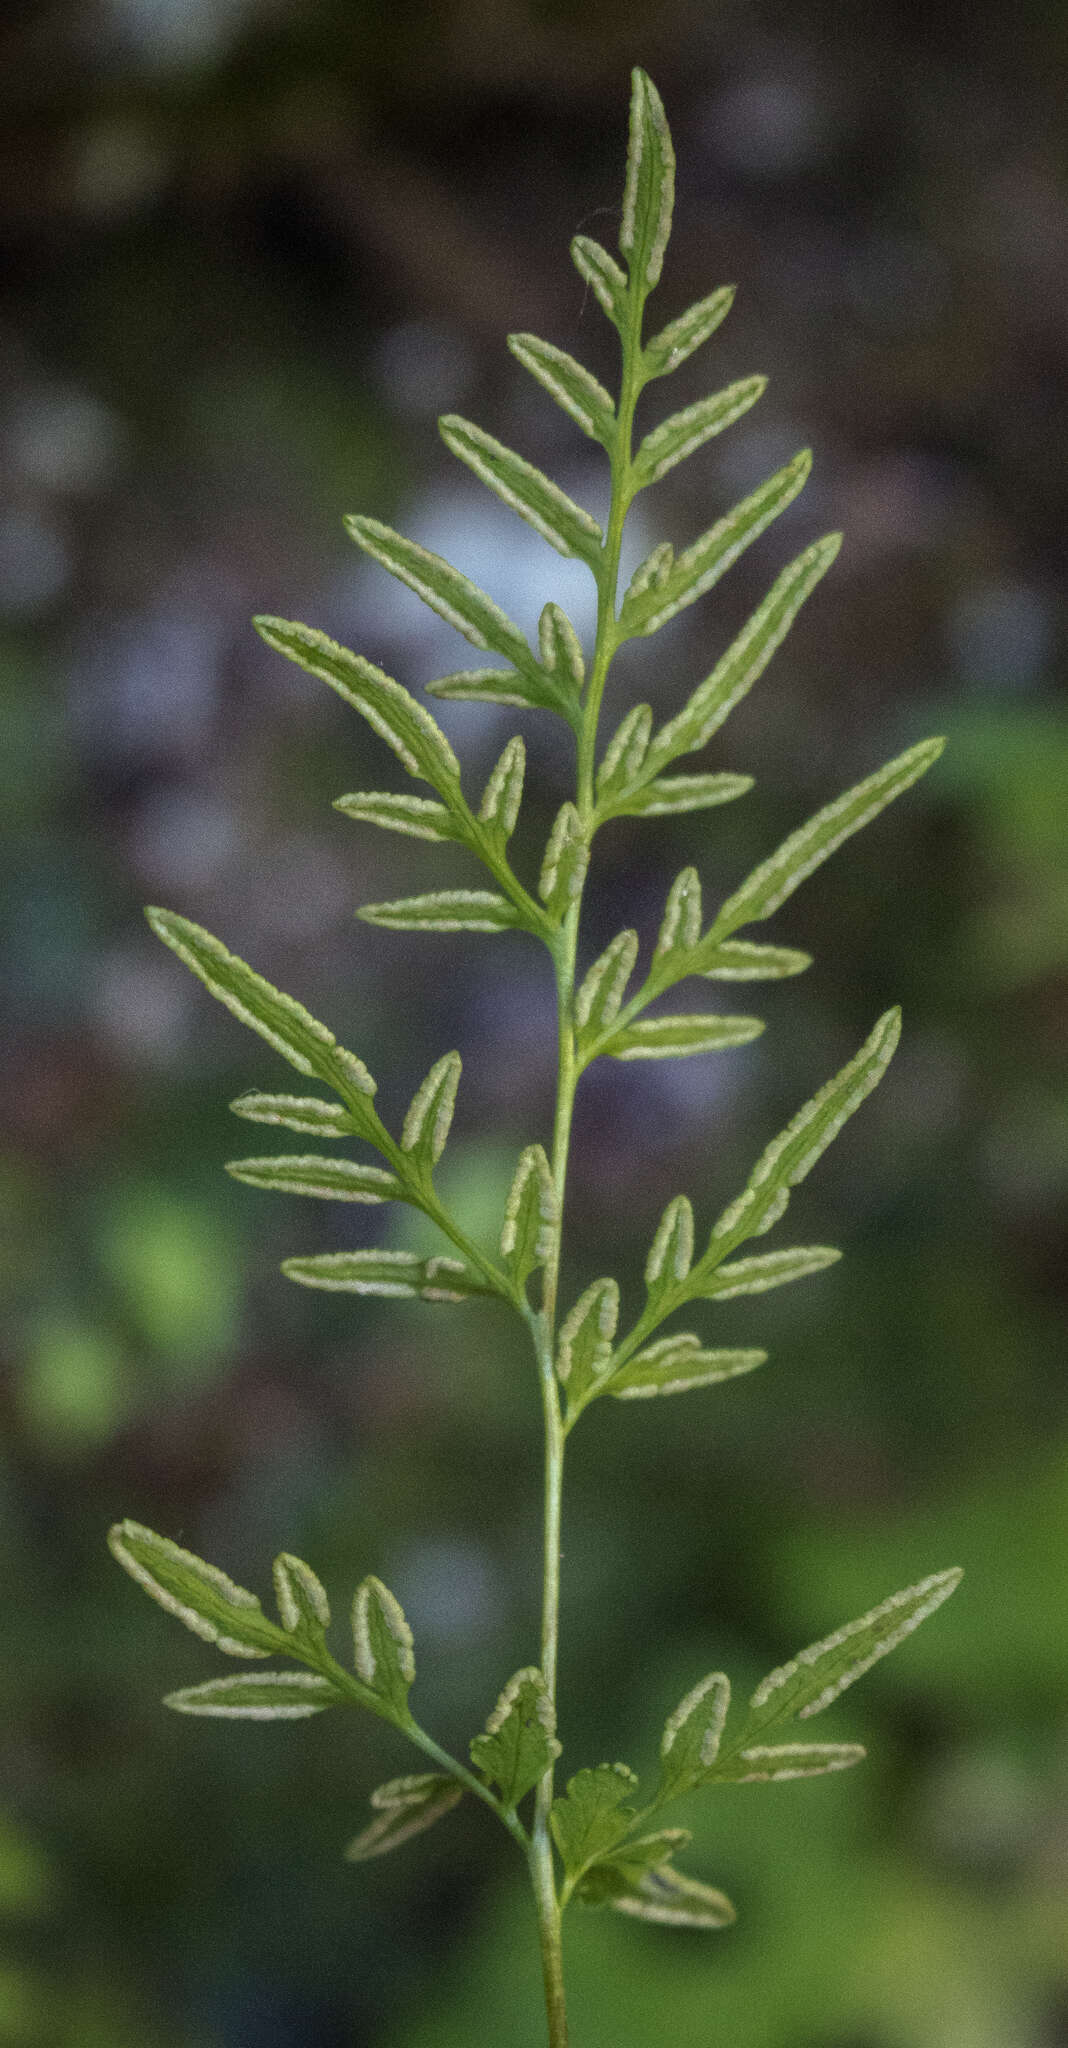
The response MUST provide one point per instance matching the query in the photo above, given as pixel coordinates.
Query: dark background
(250, 250)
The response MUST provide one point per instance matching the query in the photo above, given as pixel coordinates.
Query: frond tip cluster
(605, 1851)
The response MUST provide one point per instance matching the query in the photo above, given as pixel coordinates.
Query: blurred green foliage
(249, 252)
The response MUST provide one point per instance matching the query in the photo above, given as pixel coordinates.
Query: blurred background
(250, 249)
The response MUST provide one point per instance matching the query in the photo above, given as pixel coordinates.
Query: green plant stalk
(565, 950)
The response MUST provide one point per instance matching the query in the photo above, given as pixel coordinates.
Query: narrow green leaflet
(593, 1818)
(795, 1151)
(604, 277)
(285, 1024)
(623, 756)
(302, 1601)
(419, 817)
(198, 1594)
(584, 1349)
(811, 1680)
(692, 1735)
(545, 507)
(429, 1116)
(664, 1895)
(386, 1272)
(680, 926)
(671, 1252)
(604, 1881)
(700, 566)
(569, 383)
(383, 1650)
(520, 1739)
(650, 575)
(567, 857)
(338, 1180)
(746, 658)
(601, 991)
(686, 431)
(561, 656)
(678, 1365)
(446, 910)
(304, 1113)
(404, 1808)
(667, 796)
(649, 192)
(761, 1765)
(265, 1696)
(418, 742)
(776, 878)
(495, 686)
(674, 1037)
(449, 593)
(745, 960)
(503, 793)
(681, 337)
(768, 1269)
(531, 1216)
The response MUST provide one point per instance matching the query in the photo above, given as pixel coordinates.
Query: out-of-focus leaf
(549, 510)
(404, 1808)
(686, 431)
(338, 1180)
(446, 590)
(259, 1696)
(775, 879)
(701, 565)
(677, 1365)
(383, 1649)
(429, 1115)
(569, 383)
(681, 337)
(649, 192)
(666, 1896)
(520, 1739)
(198, 1594)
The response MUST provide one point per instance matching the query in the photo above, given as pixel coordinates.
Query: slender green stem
(565, 954)
(468, 1780)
